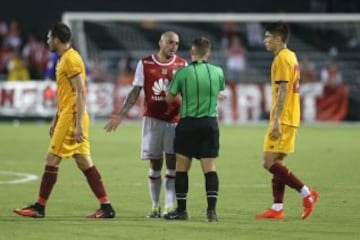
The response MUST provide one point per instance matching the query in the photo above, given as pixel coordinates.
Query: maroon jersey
(154, 77)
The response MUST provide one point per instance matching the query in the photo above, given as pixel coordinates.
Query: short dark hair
(61, 31)
(279, 28)
(202, 45)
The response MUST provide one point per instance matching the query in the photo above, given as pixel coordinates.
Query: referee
(197, 134)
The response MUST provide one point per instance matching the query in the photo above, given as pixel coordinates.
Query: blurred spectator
(36, 56)
(126, 76)
(13, 36)
(333, 104)
(229, 29)
(97, 70)
(6, 53)
(236, 60)
(17, 70)
(333, 52)
(50, 71)
(3, 31)
(10, 48)
(311, 88)
(355, 38)
(255, 34)
(235, 67)
(308, 71)
(126, 73)
(331, 75)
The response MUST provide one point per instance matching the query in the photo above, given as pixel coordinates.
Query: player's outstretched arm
(130, 100)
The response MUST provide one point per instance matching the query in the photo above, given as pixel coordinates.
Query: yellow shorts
(63, 143)
(284, 144)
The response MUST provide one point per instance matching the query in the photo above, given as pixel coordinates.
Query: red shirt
(154, 77)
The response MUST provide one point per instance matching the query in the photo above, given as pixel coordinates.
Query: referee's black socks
(181, 189)
(212, 188)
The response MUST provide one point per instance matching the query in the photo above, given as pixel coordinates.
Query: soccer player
(69, 129)
(197, 134)
(153, 73)
(284, 121)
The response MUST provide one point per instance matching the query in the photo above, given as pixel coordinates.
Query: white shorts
(157, 138)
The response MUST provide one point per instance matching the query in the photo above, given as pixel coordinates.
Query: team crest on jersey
(159, 87)
(164, 71)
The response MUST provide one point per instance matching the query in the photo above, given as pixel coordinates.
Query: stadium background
(39, 14)
(326, 157)
(347, 58)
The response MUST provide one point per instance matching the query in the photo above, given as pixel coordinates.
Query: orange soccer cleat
(30, 211)
(176, 215)
(271, 213)
(309, 203)
(105, 211)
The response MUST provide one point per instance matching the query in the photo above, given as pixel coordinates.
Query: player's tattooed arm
(282, 93)
(130, 100)
(53, 124)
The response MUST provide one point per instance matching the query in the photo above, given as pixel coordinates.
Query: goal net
(115, 41)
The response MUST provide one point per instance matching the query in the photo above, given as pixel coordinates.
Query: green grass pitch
(327, 158)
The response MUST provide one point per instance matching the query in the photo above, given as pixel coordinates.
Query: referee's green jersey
(199, 84)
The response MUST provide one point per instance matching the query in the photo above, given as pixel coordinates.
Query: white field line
(19, 177)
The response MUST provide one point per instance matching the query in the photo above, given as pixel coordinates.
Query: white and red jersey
(154, 77)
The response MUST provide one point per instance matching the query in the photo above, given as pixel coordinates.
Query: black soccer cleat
(211, 216)
(176, 215)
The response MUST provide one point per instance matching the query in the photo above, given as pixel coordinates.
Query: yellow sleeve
(283, 70)
(73, 65)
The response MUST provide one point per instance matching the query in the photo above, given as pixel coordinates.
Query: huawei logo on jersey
(159, 87)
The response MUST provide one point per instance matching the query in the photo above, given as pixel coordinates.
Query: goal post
(111, 24)
(67, 17)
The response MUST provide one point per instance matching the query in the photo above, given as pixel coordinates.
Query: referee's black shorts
(197, 137)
